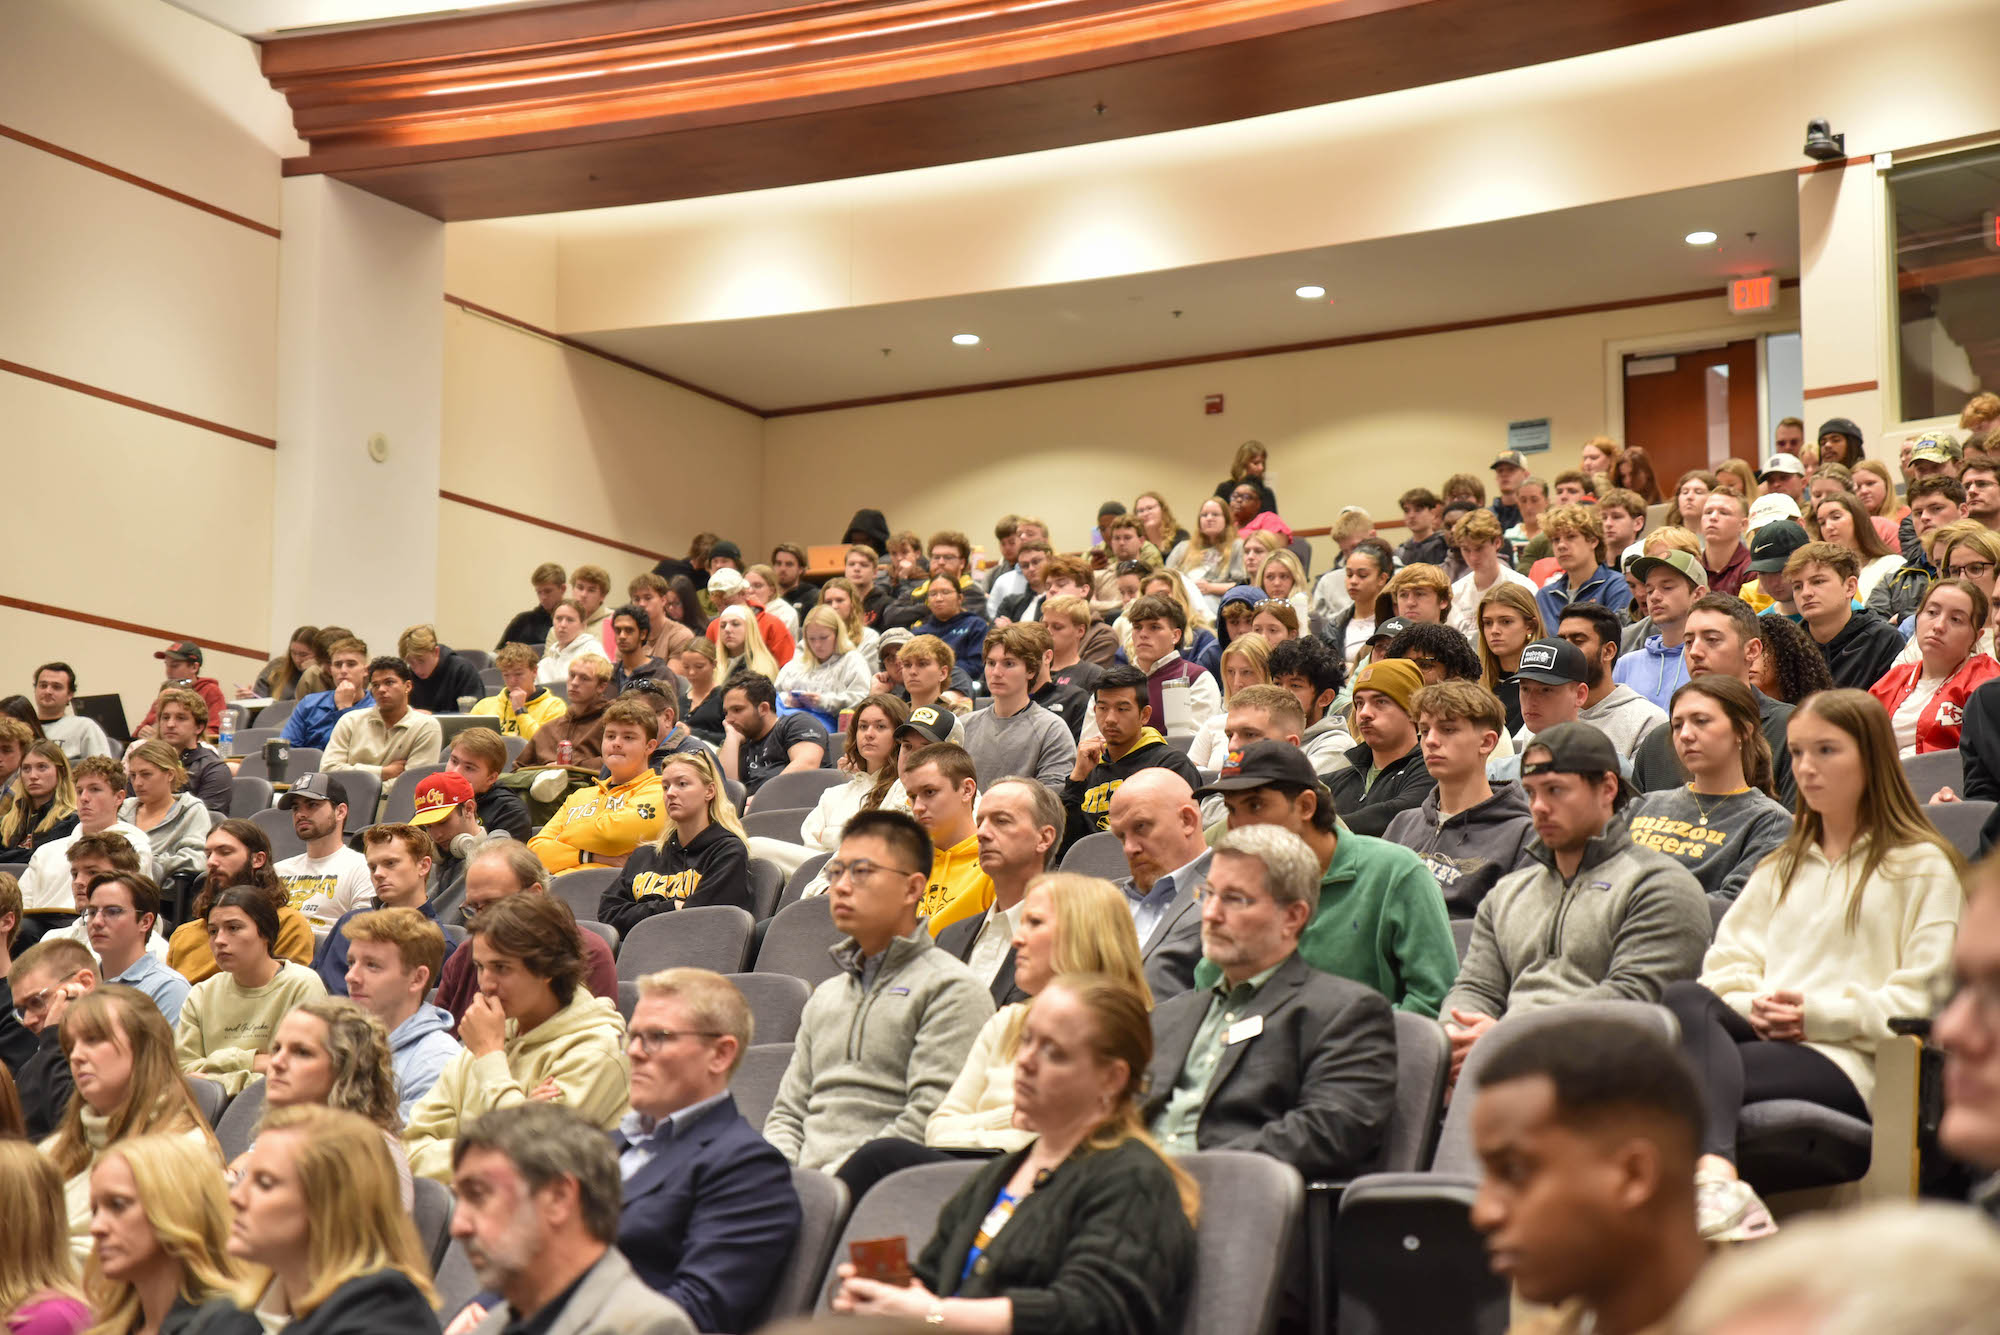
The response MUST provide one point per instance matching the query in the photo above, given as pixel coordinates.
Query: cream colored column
(360, 409)
(1844, 287)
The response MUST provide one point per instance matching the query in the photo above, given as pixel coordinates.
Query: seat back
(905, 1204)
(248, 796)
(451, 725)
(1461, 936)
(767, 882)
(797, 942)
(515, 746)
(431, 1212)
(238, 1126)
(1251, 1205)
(1423, 1065)
(1303, 549)
(247, 741)
(277, 827)
(301, 760)
(1929, 771)
(402, 802)
(603, 930)
(582, 888)
(739, 797)
(800, 789)
(364, 796)
(276, 715)
(776, 1001)
(755, 1084)
(1454, 1152)
(457, 1283)
(1961, 823)
(628, 1000)
(210, 1097)
(711, 936)
(480, 659)
(1406, 1258)
(807, 873)
(1098, 854)
(776, 822)
(823, 1203)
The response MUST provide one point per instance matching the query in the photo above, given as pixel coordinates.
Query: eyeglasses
(1970, 570)
(108, 912)
(1232, 901)
(836, 872)
(651, 1041)
(31, 1008)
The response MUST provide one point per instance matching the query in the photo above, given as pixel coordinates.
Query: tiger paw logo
(647, 811)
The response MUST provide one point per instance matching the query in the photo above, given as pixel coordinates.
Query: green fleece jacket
(1381, 922)
(582, 1046)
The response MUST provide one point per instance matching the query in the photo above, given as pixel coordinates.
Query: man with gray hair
(1277, 1057)
(709, 1202)
(537, 1214)
(1019, 826)
(498, 867)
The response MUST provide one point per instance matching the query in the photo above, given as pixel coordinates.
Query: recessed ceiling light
(1701, 238)
(1310, 292)
(965, 340)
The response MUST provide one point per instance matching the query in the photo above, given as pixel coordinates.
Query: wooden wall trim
(127, 401)
(550, 524)
(129, 627)
(1832, 391)
(579, 345)
(119, 174)
(1275, 350)
(1840, 166)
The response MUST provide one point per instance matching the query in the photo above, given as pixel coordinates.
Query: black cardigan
(374, 1304)
(1101, 1247)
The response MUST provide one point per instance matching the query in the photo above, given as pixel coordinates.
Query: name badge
(1248, 1027)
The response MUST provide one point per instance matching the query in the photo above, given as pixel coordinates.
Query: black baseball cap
(932, 723)
(1773, 544)
(186, 649)
(1390, 628)
(1262, 763)
(1573, 748)
(314, 787)
(1553, 663)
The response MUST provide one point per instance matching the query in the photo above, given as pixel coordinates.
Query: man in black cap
(1839, 442)
(926, 726)
(1555, 683)
(1771, 546)
(1380, 919)
(1592, 917)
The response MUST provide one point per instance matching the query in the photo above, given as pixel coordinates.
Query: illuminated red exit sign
(1748, 296)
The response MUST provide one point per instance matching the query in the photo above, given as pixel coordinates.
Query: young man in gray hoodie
(1616, 710)
(881, 1042)
(1593, 917)
(1468, 833)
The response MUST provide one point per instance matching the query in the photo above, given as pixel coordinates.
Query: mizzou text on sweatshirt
(1087, 802)
(1720, 838)
(712, 868)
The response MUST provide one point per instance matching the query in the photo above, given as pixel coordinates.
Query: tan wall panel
(1354, 425)
(105, 660)
(574, 439)
(508, 264)
(132, 292)
(145, 520)
(149, 89)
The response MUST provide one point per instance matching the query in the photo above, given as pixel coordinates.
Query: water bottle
(226, 729)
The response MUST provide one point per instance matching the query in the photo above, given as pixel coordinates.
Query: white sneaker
(1728, 1209)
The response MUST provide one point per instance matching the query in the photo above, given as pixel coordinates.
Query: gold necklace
(1720, 798)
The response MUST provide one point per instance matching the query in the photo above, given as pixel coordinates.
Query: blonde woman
(741, 644)
(700, 662)
(332, 1250)
(127, 1084)
(569, 640)
(869, 758)
(1281, 576)
(840, 594)
(1258, 548)
(1212, 556)
(39, 1294)
(826, 675)
(1246, 662)
(41, 806)
(1877, 489)
(159, 1228)
(701, 857)
(1157, 524)
(761, 583)
(174, 821)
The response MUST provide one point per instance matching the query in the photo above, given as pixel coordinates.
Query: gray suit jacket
(1174, 947)
(1314, 1088)
(610, 1300)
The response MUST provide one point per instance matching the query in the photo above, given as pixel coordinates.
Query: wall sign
(1530, 436)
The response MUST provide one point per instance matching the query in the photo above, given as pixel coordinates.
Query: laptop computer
(108, 713)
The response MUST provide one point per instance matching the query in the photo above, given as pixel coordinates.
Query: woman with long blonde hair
(121, 1053)
(1875, 486)
(174, 821)
(1509, 621)
(701, 857)
(742, 644)
(848, 604)
(159, 1227)
(1212, 556)
(1282, 576)
(39, 1293)
(320, 1224)
(826, 675)
(1037, 1218)
(1246, 662)
(1258, 548)
(1849, 923)
(40, 807)
(1157, 524)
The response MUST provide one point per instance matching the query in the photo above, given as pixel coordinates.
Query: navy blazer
(710, 1220)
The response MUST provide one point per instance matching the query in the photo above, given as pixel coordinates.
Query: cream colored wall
(566, 437)
(118, 513)
(1351, 425)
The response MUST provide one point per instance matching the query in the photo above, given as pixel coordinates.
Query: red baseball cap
(438, 795)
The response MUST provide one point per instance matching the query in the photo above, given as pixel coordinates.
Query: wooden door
(1673, 400)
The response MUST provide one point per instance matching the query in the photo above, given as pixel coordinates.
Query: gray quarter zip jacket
(1628, 923)
(877, 1050)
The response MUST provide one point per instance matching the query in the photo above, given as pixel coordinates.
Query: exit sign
(1748, 296)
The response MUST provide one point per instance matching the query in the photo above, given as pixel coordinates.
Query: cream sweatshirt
(225, 1026)
(978, 1109)
(1855, 982)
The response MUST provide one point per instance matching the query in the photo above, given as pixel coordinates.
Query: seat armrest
(1895, 1154)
